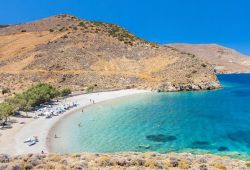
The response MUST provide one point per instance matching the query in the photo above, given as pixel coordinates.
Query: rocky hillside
(224, 59)
(117, 161)
(66, 51)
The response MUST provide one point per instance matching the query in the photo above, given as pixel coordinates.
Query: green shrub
(61, 29)
(5, 91)
(125, 36)
(248, 164)
(65, 92)
(203, 65)
(82, 24)
(90, 89)
(194, 71)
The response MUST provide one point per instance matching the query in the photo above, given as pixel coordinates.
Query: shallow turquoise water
(199, 122)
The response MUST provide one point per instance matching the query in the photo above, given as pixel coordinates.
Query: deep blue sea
(215, 121)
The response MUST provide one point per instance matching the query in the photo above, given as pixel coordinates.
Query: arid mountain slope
(226, 60)
(66, 51)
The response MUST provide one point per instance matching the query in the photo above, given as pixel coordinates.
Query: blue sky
(225, 22)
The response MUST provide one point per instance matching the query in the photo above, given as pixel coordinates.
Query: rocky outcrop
(168, 87)
(66, 51)
(121, 161)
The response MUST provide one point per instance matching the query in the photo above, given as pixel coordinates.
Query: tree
(18, 102)
(6, 109)
(39, 94)
(34, 96)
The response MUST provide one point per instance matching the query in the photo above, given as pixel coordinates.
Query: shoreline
(12, 142)
(51, 132)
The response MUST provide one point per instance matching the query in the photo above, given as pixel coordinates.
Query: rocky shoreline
(130, 160)
(168, 87)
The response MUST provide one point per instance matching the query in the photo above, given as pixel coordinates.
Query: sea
(201, 122)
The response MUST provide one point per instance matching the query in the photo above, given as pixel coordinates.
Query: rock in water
(161, 138)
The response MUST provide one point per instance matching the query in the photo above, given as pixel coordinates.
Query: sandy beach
(12, 140)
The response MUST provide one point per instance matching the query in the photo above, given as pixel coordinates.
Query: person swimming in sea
(79, 125)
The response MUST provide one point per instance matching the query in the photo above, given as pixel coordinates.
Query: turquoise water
(199, 122)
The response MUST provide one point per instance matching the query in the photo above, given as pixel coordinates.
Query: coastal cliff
(66, 51)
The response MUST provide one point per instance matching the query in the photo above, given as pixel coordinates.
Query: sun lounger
(32, 143)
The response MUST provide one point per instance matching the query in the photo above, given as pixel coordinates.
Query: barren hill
(66, 51)
(226, 60)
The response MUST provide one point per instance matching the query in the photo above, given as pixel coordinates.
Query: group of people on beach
(79, 125)
(91, 101)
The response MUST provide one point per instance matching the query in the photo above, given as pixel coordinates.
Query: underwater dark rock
(161, 138)
(200, 144)
(240, 136)
(223, 148)
(242, 93)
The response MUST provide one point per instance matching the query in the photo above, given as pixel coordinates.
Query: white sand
(12, 140)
